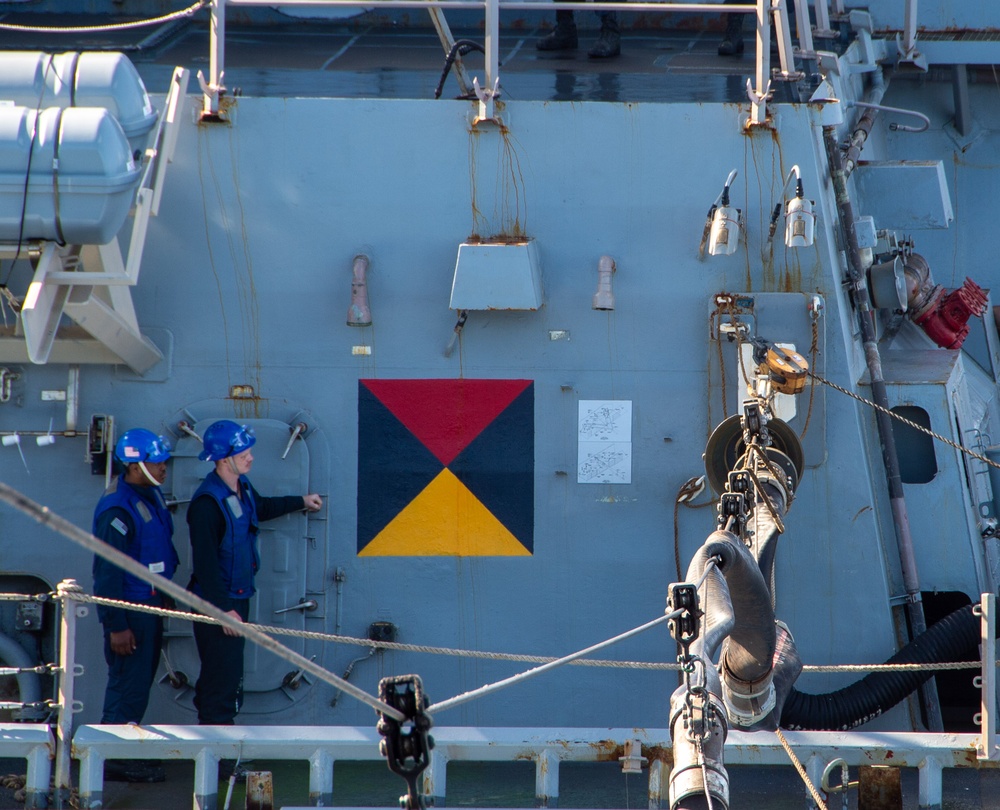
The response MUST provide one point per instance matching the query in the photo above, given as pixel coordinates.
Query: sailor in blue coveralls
(132, 517)
(224, 516)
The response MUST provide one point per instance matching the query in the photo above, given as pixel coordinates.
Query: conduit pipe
(758, 664)
(688, 781)
(945, 641)
(858, 290)
(865, 123)
(29, 684)
(749, 649)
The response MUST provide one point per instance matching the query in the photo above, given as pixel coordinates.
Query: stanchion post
(987, 748)
(71, 611)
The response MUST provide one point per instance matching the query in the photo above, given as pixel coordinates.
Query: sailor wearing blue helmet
(223, 518)
(132, 517)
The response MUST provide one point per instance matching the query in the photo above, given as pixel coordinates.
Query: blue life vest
(238, 555)
(151, 542)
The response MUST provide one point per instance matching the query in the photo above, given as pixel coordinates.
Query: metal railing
(758, 93)
(322, 746)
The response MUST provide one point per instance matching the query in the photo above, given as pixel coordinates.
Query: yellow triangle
(445, 520)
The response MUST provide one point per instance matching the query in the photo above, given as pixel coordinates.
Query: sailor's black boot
(609, 43)
(732, 42)
(561, 38)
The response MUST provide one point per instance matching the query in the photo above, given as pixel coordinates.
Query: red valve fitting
(945, 318)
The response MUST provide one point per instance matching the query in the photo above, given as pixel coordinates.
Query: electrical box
(497, 275)
(29, 617)
(382, 631)
(99, 439)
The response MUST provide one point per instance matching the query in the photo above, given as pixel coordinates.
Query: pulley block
(726, 446)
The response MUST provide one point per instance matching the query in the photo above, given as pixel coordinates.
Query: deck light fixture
(725, 231)
(800, 221)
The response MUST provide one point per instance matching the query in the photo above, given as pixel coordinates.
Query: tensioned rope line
(45, 516)
(801, 771)
(531, 673)
(905, 421)
(397, 646)
(364, 642)
(876, 406)
(93, 29)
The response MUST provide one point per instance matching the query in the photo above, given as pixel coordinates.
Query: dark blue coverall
(225, 560)
(135, 521)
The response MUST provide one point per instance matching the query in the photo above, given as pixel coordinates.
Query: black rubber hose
(460, 48)
(947, 640)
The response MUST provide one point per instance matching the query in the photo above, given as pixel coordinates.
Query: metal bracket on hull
(89, 283)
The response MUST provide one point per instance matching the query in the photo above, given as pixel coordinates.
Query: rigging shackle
(407, 744)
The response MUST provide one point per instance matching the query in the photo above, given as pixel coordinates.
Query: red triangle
(446, 414)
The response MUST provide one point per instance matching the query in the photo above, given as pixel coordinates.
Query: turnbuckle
(407, 744)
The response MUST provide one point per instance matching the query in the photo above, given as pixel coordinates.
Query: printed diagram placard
(604, 444)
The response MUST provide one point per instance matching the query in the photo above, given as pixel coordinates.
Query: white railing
(213, 86)
(323, 746)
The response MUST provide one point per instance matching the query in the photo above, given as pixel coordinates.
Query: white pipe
(909, 29)
(804, 28)
(823, 19)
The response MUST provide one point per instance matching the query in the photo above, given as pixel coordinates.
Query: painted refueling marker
(356, 350)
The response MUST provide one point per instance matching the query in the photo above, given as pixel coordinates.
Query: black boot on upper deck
(561, 38)
(732, 42)
(609, 43)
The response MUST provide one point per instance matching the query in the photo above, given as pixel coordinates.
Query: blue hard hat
(225, 438)
(140, 444)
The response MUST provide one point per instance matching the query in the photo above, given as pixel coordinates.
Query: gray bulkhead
(246, 282)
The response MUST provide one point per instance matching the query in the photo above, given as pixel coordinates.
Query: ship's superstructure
(499, 334)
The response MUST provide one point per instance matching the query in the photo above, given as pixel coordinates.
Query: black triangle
(393, 466)
(498, 467)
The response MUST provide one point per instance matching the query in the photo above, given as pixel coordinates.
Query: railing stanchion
(758, 106)
(71, 611)
(823, 20)
(492, 47)
(216, 60)
(987, 748)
